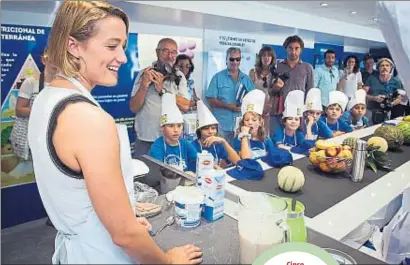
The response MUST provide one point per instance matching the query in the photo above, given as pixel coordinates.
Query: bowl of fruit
(331, 157)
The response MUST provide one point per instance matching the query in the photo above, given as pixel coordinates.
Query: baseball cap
(247, 169)
(278, 157)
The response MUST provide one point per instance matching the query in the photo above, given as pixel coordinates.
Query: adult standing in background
(350, 76)
(380, 87)
(327, 77)
(146, 94)
(300, 78)
(225, 93)
(368, 70)
(186, 66)
(260, 76)
(28, 91)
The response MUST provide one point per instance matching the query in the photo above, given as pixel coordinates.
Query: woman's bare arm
(95, 150)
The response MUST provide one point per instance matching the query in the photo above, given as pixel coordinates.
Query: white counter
(339, 220)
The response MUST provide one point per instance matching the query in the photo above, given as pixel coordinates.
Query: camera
(168, 72)
(382, 114)
(276, 75)
(387, 103)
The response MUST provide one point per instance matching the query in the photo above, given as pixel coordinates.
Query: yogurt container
(188, 205)
(213, 185)
(204, 163)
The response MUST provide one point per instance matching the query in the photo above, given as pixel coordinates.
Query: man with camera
(225, 93)
(384, 93)
(146, 94)
(292, 74)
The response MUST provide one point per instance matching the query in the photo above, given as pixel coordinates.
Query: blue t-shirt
(259, 149)
(279, 137)
(319, 129)
(340, 125)
(224, 88)
(182, 156)
(378, 87)
(361, 123)
(217, 150)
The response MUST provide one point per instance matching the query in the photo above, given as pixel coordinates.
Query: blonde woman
(81, 162)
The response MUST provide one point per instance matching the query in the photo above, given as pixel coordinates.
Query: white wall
(260, 12)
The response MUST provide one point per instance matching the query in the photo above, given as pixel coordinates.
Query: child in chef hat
(171, 148)
(251, 127)
(251, 141)
(288, 136)
(313, 112)
(207, 131)
(334, 110)
(357, 109)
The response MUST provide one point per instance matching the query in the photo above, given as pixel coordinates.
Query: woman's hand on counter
(188, 254)
(143, 221)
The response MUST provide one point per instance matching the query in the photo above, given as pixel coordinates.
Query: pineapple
(350, 141)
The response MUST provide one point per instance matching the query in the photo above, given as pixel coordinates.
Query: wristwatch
(163, 91)
(241, 135)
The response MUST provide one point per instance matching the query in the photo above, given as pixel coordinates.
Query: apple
(347, 147)
(331, 151)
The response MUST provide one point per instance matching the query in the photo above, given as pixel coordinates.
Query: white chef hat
(338, 97)
(170, 113)
(359, 98)
(253, 101)
(294, 104)
(314, 100)
(204, 116)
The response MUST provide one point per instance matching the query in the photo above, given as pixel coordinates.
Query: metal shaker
(359, 160)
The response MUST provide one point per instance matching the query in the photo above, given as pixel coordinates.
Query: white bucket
(188, 205)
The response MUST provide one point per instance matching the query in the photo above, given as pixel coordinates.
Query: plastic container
(213, 185)
(188, 206)
(341, 257)
(296, 227)
(204, 163)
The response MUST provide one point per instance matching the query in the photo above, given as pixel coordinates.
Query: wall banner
(217, 42)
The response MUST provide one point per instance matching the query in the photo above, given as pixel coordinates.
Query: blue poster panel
(319, 54)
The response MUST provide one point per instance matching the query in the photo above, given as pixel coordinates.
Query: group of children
(303, 123)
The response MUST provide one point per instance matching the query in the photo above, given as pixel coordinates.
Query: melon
(393, 136)
(407, 118)
(291, 179)
(404, 127)
(350, 141)
(380, 142)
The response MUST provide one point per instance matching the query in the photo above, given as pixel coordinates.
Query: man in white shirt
(146, 94)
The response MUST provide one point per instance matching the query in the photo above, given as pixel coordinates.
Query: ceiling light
(353, 12)
(323, 4)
